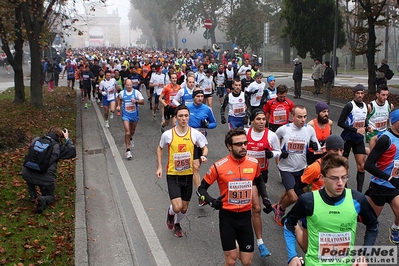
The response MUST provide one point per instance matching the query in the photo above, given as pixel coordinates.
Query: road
(201, 245)
(142, 199)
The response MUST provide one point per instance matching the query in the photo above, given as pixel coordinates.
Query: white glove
(104, 93)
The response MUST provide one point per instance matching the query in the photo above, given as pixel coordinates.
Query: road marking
(318, 100)
(157, 251)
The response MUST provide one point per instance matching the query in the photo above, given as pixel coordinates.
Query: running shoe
(129, 155)
(98, 100)
(86, 106)
(41, 205)
(394, 238)
(274, 207)
(278, 215)
(264, 252)
(178, 231)
(162, 128)
(170, 220)
(153, 115)
(119, 113)
(89, 103)
(106, 124)
(131, 143)
(111, 115)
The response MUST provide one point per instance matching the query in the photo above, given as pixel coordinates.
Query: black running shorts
(236, 226)
(380, 194)
(180, 186)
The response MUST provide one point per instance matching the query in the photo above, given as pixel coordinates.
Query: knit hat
(256, 112)
(394, 116)
(270, 78)
(358, 87)
(334, 142)
(321, 106)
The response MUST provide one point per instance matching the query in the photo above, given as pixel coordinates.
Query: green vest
(331, 229)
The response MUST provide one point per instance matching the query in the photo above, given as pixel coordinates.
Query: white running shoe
(106, 124)
(98, 100)
(129, 155)
(111, 115)
(131, 143)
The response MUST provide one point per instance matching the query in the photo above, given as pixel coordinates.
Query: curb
(81, 248)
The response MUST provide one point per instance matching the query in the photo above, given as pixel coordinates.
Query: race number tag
(259, 155)
(209, 90)
(111, 91)
(359, 124)
(240, 192)
(182, 161)
(381, 124)
(130, 107)
(239, 109)
(296, 145)
(333, 246)
(395, 169)
(280, 116)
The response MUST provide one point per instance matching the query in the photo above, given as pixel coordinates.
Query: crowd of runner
(263, 125)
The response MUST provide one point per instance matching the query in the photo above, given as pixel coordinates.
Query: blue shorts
(106, 102)
(130, 118)
(235, 122)
(221, 91)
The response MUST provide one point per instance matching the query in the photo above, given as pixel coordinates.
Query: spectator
(45, 181)
(297, 77)
(328, 78)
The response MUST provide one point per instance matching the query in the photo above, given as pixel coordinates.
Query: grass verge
(27, 238)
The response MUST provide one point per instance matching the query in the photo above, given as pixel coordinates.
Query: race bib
(296, 145)
(240, 192)
(334, 245)
(182, 161)
(395, 169)
(259, 155)
(380, 124)
(359, 124)
(111, 91)
(208, 90)
(130, 107)
(239, 109)
(280, 116)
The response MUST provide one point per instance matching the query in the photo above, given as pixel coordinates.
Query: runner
(181, 141)
(219, 78)
(201, 118)
(331, 214)
(87, 77)
(263, 145)
(323, 128)
(71, 71)
(108, 89)
(157, 82)
(206, 84)
(295, 138)
(236, 100)
(166, 98)
(383, 164)
(185, 94)
(128, 101)
(235, 175)
(353, 121)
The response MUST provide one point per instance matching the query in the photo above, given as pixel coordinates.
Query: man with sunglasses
(331, 215)
(235, 175)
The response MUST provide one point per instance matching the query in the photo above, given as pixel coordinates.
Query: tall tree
(244, 30)
(11, 33)
(310, 26)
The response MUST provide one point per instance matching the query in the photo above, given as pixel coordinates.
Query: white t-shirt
(159, 82)
(256, 97)
(109, 86)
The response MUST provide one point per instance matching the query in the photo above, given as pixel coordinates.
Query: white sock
(171, 212)
(259, 241)
(394, 226)
(179, 217)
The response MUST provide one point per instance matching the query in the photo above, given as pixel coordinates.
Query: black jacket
(66, 151)
(328, 75)
(298, 72)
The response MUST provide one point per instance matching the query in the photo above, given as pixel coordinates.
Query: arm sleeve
(211, 119)
(260, 185)
(225, 102)
(68, 150)
(344, 115)
(368, 216)
(274, 144)
(177, 98)
(370, 165)
(302, 208)
(263, 100)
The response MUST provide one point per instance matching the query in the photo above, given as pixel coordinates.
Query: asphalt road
(201, 245)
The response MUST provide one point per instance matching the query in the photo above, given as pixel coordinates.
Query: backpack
(389, 74)
(39, 154)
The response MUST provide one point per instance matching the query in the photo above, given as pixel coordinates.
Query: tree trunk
(212, 32)
(353, 61)
(286, 51)
(370, 55)
(36, 88)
